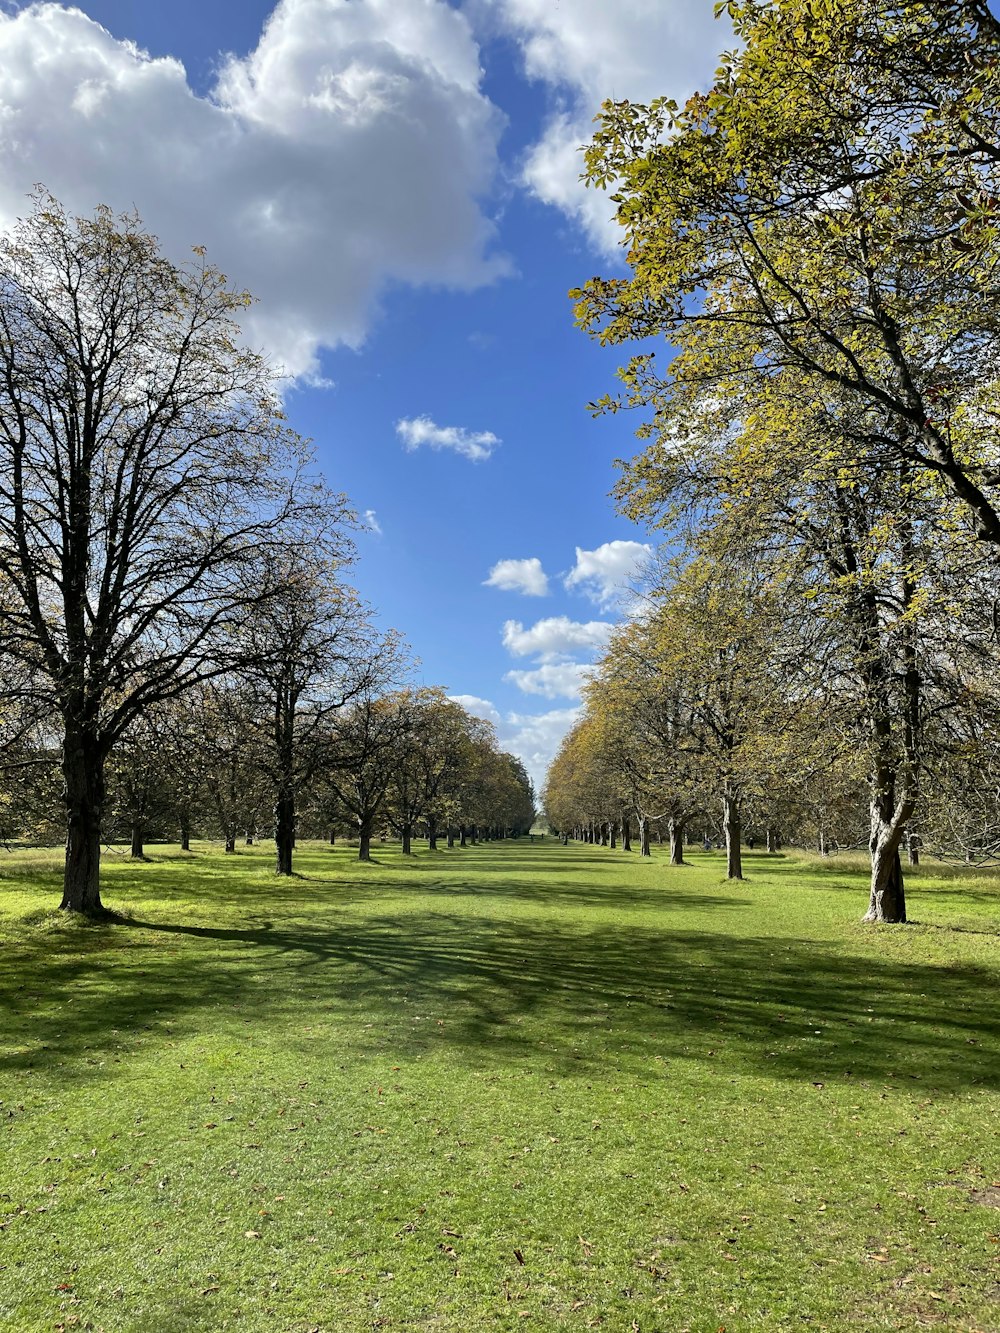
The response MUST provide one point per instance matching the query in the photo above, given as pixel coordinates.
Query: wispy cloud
(371, 522)
(475, 445)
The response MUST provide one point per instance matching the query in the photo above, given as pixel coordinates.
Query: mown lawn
(519, 1086)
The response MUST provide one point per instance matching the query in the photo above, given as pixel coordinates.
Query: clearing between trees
(511, 1086)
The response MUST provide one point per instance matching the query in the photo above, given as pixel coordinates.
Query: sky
(397, 182)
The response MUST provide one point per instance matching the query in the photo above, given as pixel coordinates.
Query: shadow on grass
(499, 990)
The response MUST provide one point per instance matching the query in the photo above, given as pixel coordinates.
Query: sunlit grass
(516, 1086)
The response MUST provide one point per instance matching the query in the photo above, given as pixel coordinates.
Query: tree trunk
(407, 835)
(230, 843)
(185, 836)
(603, 834)
(626, 835)
(733, 829)
(772, 840)
(138, 854)
(432, 837)
(83, 794)
(451, 835)
(821, 842)
(913, 849)
(612, 831)
(333, 837)
(676, 842)
(365, 839)
(887, 901)
(643, 836)
(250, 837)
(284, 831)
(461, 835)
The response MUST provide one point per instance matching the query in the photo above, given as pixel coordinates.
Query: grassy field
(519, 1086)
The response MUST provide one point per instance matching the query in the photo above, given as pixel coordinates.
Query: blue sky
(396, 182)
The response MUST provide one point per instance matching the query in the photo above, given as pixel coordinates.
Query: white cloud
(555, 637)
(525, 576)
(478, 707)
(348, 151)
(590, 50)
(372, 523)
(535, 738)
(555, 680)
(605, 573)
(476, 445)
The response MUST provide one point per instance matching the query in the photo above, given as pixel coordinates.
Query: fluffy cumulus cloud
(350, 149)
(556, 637)
(525, 576)
(554, 680)
(591, 50)
(478, 707)
(475, 445)
(606, 573)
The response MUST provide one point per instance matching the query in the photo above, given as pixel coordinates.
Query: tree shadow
(495, 990)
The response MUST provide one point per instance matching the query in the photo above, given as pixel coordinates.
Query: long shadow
(509, 990)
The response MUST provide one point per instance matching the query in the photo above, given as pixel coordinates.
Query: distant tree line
(180, 655)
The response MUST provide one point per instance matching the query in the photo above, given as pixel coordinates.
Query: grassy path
(514, 1087)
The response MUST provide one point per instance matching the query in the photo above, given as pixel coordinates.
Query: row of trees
(174, 618)
(816, 237)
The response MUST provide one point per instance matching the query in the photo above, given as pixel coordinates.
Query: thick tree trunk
(365, 827)
(603, 834)
(138, 852)
(451, 835)
(612, 831)
(461, 835)
(432, 837)
(772, 840)
(676, 842)
(887, 901)
(83, 794)
(185, 836)
(333, 837)
(626, 836)
(733, 829)
(284, 831)
(407, 836)
(644, 836)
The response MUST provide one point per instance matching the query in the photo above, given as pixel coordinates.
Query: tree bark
(772, 840)
(185, 836)
(612, 839)
(432, 837)
(676, 842)
(461, 835)
(137, 852)
(407, 835)
(284, 831)
(733, 829)
(365, 827)
(451, 835)
(644, 836)
(333, 837)
(230, 843)
(887, 901)
(83, 794)
(626, 835)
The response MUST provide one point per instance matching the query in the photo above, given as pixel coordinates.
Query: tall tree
(144, 468)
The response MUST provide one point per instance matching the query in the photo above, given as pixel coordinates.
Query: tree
(827, 211)
(144, 470)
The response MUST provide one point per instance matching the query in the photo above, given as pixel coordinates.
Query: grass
(519, 1086)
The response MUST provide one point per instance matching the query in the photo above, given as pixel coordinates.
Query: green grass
(519, 1086)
